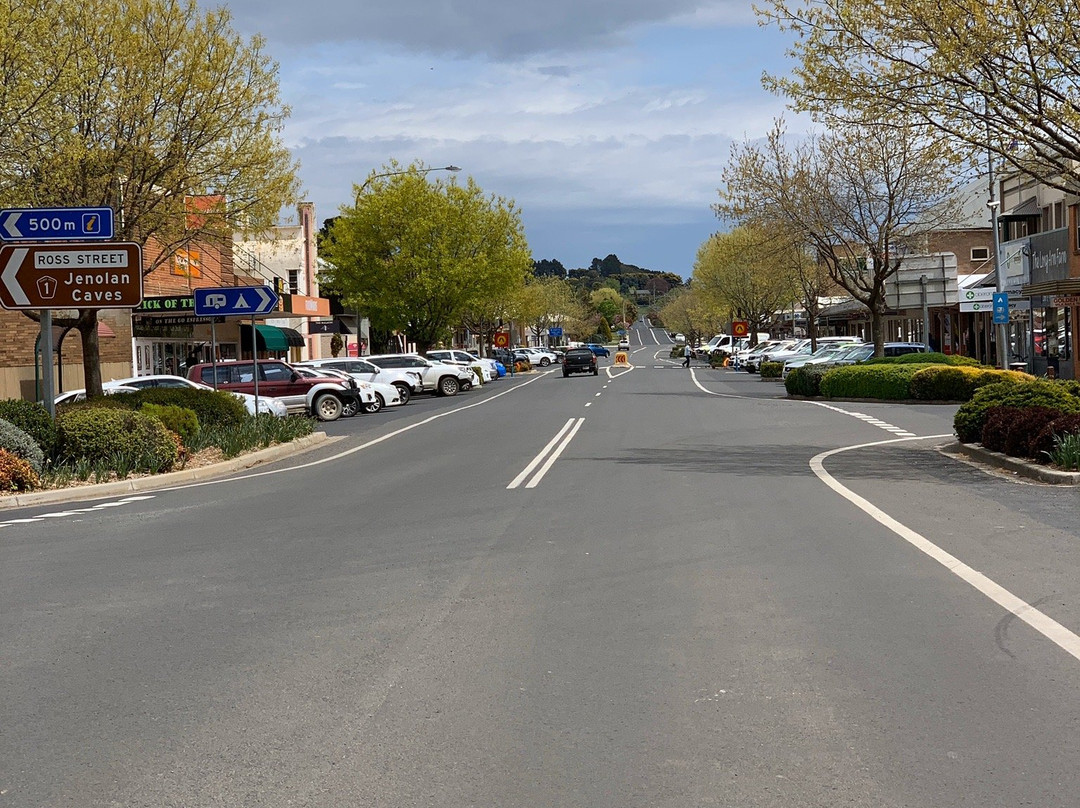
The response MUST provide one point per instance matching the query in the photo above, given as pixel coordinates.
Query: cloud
(493, 28)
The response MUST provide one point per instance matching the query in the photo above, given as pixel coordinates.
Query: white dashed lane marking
(870, 419)
(62, 514)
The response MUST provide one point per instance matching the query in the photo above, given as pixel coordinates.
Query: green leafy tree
(607, 302)
(140, 105)
(417, 255)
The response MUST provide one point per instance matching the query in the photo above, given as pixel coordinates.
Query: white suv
(435, 377)
(406, 381)
(466, 360)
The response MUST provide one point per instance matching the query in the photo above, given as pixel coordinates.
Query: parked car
(324, 398)
(508, 357)
(580, 360)
(405, 380)
(386, 395)
(598, 349)
(435, 377)
(72, 396)
(624, 344)
(750, 360)
(267, 404)
(465, 359)
(541, 356)
(826, 354)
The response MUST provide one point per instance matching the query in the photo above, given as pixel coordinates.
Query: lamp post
(451, 168)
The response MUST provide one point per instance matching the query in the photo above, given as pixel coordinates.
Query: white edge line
(539, 458)
(555, 455)
(355, 449)
(1041, 622)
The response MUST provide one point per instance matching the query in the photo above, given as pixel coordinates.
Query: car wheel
(565, 373)
(328, 407)
(448, 386)
(404, 391)
(596, 371)
(375, 405)
(349, 409)
(544, 361)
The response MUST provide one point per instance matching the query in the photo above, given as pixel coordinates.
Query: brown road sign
(86, 275)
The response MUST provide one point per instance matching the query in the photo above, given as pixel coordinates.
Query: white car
(268, 404)
(624, 344)
(468, 360)
(824, 355)
(540, 356)
(407, 381)
(435, 377)
(385, 395)
(72, 396)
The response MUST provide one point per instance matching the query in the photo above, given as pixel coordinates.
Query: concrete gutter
(1024, 468)
(168, 480)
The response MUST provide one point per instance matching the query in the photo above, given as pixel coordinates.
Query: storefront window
(1053, 333)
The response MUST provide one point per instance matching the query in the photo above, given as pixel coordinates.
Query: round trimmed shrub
(99, 434)
(970, 418)
(33, 419)
(16, 474)
(176, 419)
(999, 421)
(17, 442)
(771, 370)
(805, 381)
(958, 382)
(1026, 428)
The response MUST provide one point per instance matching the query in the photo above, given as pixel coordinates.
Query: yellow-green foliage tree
(858, 196)
(997, 75)
(742, 272)
(416, 254)
(139, 105)
(688, 311)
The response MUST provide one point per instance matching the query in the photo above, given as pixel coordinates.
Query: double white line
(551, 452)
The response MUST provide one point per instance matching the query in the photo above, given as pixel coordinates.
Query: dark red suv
(324, 398)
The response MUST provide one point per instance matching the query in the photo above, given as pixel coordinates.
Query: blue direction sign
(229, 301)
(555, 332)
(55, 224)
(1001, 308)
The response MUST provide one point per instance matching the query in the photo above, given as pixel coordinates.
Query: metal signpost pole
(47, 385)
(255, 363)
(213, 351)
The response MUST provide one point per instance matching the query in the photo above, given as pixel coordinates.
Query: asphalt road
(655, 587)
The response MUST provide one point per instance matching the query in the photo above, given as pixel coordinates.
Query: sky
(607, 122)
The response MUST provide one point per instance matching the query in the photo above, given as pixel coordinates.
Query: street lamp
(451, 168)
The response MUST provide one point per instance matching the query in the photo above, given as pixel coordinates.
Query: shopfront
(167, 337)
(1054, 298)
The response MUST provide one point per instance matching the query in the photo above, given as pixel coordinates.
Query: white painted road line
(554, 447)
(1041, 622)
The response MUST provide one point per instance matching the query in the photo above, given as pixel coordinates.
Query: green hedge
(891, 382)
(958, 382)
(932, 358)
(211, 407)
(971, 417)
(771, 370)
(103, 434)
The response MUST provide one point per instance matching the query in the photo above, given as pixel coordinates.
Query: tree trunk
(91, 347)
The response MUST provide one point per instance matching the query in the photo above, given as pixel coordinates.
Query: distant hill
(602, 271)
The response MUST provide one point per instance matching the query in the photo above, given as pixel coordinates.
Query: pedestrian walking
(686, 355)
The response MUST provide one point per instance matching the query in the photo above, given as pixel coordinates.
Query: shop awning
(1028, 209)
(1062, 286)
(272, 338)
(972, 280)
